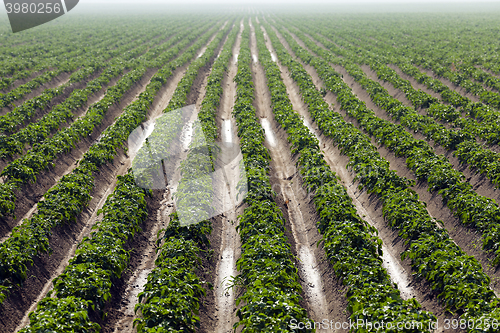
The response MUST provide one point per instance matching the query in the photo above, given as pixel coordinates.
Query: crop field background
(370, 168)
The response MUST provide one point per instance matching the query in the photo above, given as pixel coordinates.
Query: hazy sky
(145, 6)
(282, 1)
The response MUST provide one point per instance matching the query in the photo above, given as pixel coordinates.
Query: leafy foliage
(349, 242)
(271, 297)
(401, 206)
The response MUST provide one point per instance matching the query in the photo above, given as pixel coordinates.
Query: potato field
(365, 197)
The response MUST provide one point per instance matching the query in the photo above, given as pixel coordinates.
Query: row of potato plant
(55, 47)
(455, 277)
(350, 243)
(13, 120)
(85, 284)
(71, 194)
(469, 207)
(25, 169)
(36, 65)
(425, 54)
(67, 66)
(37, 132)
(481, 119)
(171, 297)
(430, 58)
(271, 293)
(478, 156)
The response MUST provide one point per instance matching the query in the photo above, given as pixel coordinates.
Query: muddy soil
(324, 295)
(224, 238)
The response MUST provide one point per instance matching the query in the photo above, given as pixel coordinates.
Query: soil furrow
(467, 238)
(30, 194)
(59, 99)
(224, 229)
(324, 294)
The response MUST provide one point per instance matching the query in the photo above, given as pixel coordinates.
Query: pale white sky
(367, 6)
(281, 1)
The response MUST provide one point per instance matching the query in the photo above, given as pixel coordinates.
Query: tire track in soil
(466, 238)
(121, 312)
(224, 229)
(324, 295)
(368, 206)
(121, 308)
